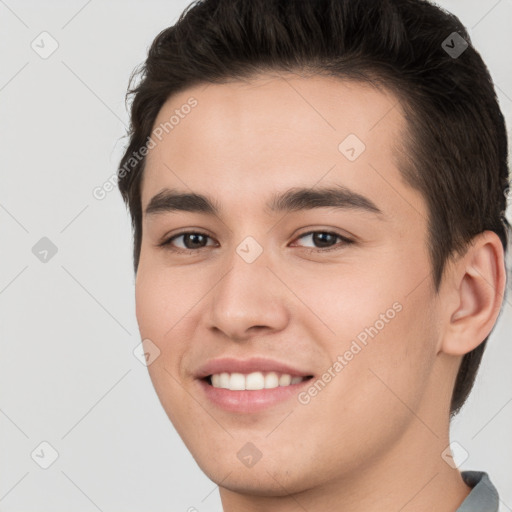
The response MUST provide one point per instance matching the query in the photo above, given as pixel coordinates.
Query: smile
(253, 381)
(248, 393)
(250, 385)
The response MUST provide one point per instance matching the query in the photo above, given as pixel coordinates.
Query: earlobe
(478, 280)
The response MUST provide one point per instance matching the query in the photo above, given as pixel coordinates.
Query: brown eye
(191, 241)
(326, 240)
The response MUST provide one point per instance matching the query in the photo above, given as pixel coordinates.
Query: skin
(372, 438)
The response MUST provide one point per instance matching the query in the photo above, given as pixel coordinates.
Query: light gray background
(68, 329)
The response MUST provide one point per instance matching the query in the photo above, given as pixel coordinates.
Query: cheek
(160, 310)
(386, 333)
(161, 305)
(385, 379)
(390, 368)
(162, 299)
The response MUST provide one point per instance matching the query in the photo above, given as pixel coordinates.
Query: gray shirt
(483, 497)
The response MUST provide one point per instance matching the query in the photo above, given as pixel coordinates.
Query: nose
(248, 300)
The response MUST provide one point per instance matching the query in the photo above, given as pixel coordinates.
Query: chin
(253, 481)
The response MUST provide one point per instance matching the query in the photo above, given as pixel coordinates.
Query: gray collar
(484, 496)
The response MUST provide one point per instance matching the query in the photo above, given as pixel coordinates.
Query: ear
(474, 291)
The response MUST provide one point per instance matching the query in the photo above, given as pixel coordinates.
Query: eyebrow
(295, 199)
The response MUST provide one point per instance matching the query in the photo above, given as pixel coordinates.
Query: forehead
(243, 138)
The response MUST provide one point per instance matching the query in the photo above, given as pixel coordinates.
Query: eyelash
(345, 240)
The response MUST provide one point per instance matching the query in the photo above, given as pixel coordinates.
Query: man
(318, 195)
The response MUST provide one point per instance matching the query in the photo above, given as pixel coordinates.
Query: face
(307, 257)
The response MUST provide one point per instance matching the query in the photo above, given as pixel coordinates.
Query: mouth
(250, 385)
(254, 381)
(253, 392)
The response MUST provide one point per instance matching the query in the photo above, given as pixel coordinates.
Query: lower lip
(250, 400)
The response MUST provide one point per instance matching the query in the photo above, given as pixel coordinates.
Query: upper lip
(254, 364)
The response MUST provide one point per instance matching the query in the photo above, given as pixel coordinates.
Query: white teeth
(253, 381)
(223, 380)
(271, 380)
(237, 381)
(285, 380)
